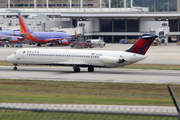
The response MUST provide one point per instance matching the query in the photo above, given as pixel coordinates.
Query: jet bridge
(159, 28)
(70, 31)
(162, 33)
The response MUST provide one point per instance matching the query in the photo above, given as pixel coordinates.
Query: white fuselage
(81, 58)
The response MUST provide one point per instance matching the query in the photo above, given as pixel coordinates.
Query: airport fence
(39, 99)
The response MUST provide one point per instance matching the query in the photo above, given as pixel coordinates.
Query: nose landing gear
(15, 68)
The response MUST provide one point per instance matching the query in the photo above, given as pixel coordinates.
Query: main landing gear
(77, 69)
(90, 69)
(38, 44)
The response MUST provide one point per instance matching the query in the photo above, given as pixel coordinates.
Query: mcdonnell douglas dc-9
(83, 58)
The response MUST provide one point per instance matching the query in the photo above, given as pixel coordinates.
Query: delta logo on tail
(43, 37)
(142, 44)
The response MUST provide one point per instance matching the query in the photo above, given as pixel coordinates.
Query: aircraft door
(19, 55)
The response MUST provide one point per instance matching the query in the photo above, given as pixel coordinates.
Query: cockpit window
(15, 53)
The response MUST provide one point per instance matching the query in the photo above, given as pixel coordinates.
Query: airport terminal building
(112, 24)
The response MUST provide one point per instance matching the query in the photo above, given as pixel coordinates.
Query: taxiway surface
(99, 75)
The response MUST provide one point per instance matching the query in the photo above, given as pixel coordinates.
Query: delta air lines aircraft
(83, 58)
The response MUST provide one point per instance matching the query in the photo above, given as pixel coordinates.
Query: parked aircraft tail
(23, 27)
(142, 44)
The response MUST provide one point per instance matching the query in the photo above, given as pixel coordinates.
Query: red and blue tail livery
(142, 44)
(43, 37)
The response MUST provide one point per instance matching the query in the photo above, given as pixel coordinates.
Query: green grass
(5, 63)
(32, 91)
(24, 115)
(132, 66)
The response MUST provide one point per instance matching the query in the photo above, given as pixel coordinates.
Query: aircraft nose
(10, 58)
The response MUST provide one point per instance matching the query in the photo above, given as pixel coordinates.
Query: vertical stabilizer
(23, 27)
(142, 44)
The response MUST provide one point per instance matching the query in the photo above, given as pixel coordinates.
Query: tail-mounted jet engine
(110, 60)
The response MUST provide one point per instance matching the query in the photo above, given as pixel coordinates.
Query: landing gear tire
(38, 44)
(90, 69)
(15, 68)
(52, 44)
(77, 69)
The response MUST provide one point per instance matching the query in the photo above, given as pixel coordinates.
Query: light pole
(168, 5)
(8, 4)
(154, 5)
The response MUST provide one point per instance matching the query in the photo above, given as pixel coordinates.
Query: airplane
(43, 37)
(83, 58)
(11, 36)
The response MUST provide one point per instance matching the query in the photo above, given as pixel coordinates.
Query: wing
(3, 37)
(11, 38)
(72, 63)
(18, 37)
